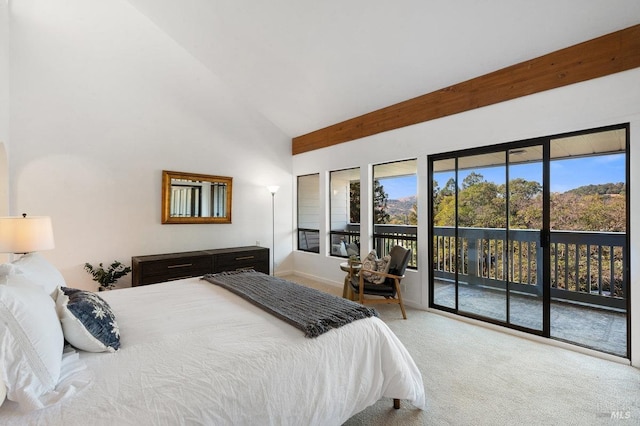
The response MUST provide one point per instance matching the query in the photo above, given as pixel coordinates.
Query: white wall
(102, 102)
(4, 112)
(4, 72)
(609, 100)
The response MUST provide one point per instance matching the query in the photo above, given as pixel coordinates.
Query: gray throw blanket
(310, 310)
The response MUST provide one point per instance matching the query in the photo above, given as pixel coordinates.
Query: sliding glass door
(481, 219)
(525, 259)
(588, 240)
(487, 222)
(523, 237)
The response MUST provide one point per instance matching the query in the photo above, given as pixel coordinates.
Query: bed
(194, 353)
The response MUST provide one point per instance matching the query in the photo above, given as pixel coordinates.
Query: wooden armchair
(389, 290)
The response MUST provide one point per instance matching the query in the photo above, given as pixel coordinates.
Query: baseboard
(316, 278)
(280, 273)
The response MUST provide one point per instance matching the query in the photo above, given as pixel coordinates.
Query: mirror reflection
(195, 198)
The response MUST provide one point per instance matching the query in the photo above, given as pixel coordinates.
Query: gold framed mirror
(195, 198)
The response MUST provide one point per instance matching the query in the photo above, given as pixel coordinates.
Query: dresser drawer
(257, 259)
(157, 270)
(174, 266)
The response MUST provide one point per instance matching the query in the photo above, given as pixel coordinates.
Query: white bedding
(193, 353)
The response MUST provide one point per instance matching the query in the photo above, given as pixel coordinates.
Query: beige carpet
(478, 376)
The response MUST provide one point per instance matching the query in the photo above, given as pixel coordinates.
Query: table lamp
(24, 234)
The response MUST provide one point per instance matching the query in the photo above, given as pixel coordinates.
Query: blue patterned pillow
(87, 320)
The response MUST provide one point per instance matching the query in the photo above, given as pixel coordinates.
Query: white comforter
(193, 353)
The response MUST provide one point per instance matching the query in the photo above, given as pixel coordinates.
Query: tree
(472, 179)
(354, 205)
(413, 215)
(445, 214)
(481, 205)
(525, 204)
(380, 197)
(439, 194)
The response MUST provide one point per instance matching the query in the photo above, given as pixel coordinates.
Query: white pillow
(11, 275)
(36, 269)
(8, 270)
(31, 344)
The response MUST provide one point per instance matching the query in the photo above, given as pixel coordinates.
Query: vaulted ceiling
(307, 64)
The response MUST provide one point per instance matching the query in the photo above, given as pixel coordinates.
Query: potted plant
(107, 277)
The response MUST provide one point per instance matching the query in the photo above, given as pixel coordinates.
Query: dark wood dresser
(157, 268)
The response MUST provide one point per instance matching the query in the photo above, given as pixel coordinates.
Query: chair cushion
(374, 289)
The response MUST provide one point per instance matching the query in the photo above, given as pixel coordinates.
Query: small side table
(347, 292)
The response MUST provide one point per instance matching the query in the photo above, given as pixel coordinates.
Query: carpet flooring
(478, 376)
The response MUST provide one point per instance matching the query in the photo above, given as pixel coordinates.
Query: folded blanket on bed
(310, 310)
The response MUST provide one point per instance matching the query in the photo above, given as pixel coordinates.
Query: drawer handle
(245, 257)
(246, 268)
(182, 265)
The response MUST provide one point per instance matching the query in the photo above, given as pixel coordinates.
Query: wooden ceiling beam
(599, 57)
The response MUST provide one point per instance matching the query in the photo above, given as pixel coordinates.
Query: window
(309, 213)
(395, 208)
(345, 213)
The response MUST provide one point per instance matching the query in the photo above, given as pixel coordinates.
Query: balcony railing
(384, 237)
(586, 267)
(387, 236)
(346, 241)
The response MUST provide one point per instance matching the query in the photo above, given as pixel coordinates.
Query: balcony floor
(595, 328)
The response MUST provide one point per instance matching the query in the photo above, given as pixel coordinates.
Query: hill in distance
(401, 205)
(600, 189)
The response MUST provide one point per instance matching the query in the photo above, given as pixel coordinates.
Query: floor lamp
(273, 189)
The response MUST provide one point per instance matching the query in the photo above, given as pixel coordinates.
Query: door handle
(545, 238)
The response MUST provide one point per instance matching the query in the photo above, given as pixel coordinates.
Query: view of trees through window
(599, 207)
(395, 212)
(380, 203)
(595, 208)
(533, 234)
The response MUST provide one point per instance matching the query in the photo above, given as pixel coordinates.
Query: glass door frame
(545, 233)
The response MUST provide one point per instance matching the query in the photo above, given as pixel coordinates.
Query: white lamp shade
(25, 234)
(273, 188)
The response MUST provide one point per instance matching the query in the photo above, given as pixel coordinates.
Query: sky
(400, 187)
(565, 175)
